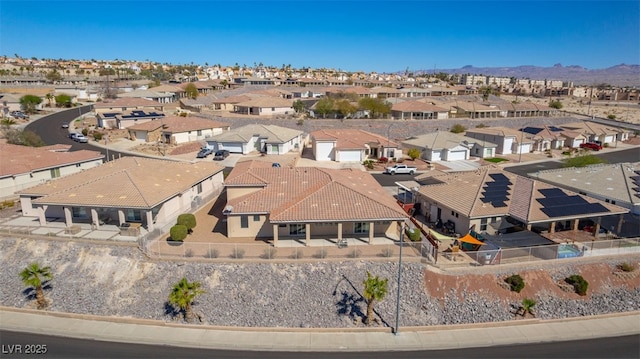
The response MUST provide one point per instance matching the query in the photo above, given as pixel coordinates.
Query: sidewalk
(141, 331)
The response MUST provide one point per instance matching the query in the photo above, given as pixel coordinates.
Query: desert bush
(269, 253)
(188, 220)
(627, 267)
(368, 164)
(355, 253)
(85, 132)
(321, 253)
(213, 253)
(188, 253)
(516, 282)
(579, 284)
(238, 253)
(178, 232)
(387, 252)
(97, 136)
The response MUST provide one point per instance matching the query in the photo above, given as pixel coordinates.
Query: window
(244, 221)
(483, 224)
(256, 218)
(133, 215)
(274, 148)
(55, 172)
(361, 227)
(78, 212)
(77, 165)
(297, 229)
(199, 132)
(199, 187)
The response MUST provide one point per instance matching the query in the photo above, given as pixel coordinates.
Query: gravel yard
(111, 280)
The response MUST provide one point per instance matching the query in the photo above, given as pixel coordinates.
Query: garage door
(232, 147)
(141, 136)
(350, 156)
(456, 155)
(323, 151)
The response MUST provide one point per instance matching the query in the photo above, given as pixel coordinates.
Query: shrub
(178, 232)
(516, 282)
(85, 131)
(413, 234)
(611, 117)
(627, 267)
(188, 220)
(213, 253)
(527, 305)
(579, 284)
(369, 164)
(97, 136)
(458, 128)
(383, 160)
(322, 253)
(413, 153)
(269, 253)
(237, 253)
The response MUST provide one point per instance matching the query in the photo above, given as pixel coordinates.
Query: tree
(299, 106)
(188, 220)
(53, 76)
(375, 289)
(183, 294)
(345, 108)
(191, 91)
(49, 96)
(324, 106)
(16, 136)
(63, 100)
(555, 104)
(458, 128)
(413, 153)
(527, 306)
(377, 107)
(582, 161)
(28, 103)
(36, 277)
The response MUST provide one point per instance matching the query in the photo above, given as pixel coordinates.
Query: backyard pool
(568, 251)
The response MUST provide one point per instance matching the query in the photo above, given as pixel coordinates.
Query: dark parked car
(221, 155)
(204, 152)
(591, 145)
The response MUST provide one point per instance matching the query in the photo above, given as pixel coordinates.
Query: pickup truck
(400, 169)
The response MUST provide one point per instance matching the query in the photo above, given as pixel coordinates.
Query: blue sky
(381, 36)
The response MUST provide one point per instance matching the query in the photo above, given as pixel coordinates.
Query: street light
(399, 275)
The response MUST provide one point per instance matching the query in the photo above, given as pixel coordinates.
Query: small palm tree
(375, 289)
(527, 306)
(49, 98)
(183, 294)
(36, 276)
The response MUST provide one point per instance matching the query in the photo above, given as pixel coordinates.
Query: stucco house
(124, 119)
(418, 110)
(351, 145)
(145, 191)
(489, 195)
(509, 140)
(268, 139)
(265, 106)
(298, 203)
(23, 166)
(448, 146)
(593, 132)
(177, 130)
(128, 104)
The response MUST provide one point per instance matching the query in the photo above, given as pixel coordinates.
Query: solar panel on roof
(562, 201)
(499, 177)
(573, 210)
(498, 204)
(554, 129)
(552, 192)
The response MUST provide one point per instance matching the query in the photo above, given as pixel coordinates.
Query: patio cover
(439, 236)
(468, 238)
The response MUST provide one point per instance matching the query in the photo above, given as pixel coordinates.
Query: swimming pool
(568, 251)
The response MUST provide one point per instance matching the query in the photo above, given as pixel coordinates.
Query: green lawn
(496, 159)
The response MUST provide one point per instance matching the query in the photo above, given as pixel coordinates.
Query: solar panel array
(556, 203)
(636, 183)
(498, 191)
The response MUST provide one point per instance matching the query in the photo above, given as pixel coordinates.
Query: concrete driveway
(461, 165)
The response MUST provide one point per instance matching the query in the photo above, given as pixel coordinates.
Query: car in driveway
(220, 155)
(204, 152)
(591, 146)
(80, 138)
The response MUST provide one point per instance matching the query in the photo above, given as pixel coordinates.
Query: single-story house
(265, 106)
(127, 104)
(448, 146)
(153, 95)
(525, 109)
(23, 166)
(509, 140)
(598, 132)
(490, 194)
(546, 137)
(149, 192)
(298, 203)
(269, 139)
(475, 110)
(418, 110)
(177, 130)
(125, 119)
(351, 145)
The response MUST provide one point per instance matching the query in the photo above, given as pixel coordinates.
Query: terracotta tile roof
(498, 131)
(463, 192)
(233, 99)
(309, 194)
(591, 128)
(351, 138)
(444, 139)
(266, 101)
(474, 107)
(127, 102)
(417, 106)
(134, 182)
(166, 88)
(18, 159)
(272, 134)
(177, 124)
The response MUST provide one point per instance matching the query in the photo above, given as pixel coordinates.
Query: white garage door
(324, 151)
(232, 147)
(141, 136)
(456, 155)
(350, 156)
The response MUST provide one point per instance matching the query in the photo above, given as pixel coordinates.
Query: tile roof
(272, 133)
(349, 138)
(417, 106)
(310, 194)
(266, 101)
(498, 131)
(463, 192)
(127, 102)
(134, 182)
(178, 124)
(18, 159)
(443, 139)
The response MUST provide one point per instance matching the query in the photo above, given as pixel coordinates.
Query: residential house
(448, 146)
(509, 140)
(268, 139)
(265, 106)
(351, 145)
(228, 103)
(525, 109)
(300, 203)
(475, 110)
(153, 95)
(418, 110)
(125, 119)
(127, 104)
(149, 193)
(546, 137)
(24, 166)
(177, 130)
(597, 132)
(478, 199)
(617, 184)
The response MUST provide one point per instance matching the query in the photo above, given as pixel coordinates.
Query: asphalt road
(60, 347)
(49, 128)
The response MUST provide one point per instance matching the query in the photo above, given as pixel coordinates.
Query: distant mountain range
(620, 75)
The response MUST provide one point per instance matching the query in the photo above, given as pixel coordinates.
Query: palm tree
(527, 306)
(36, 276)
(49, 97)
(375, 289)
(183, 294)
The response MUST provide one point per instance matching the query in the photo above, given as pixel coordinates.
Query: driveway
(458, 166)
